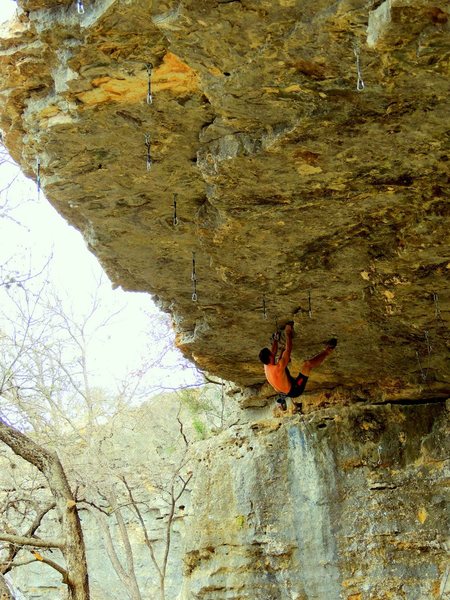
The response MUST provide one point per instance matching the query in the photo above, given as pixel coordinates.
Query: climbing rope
(312, 434)
(149, 91)
(359, 81)
(427, 339)
(147, 145)
(422, 373)
(309, 305)
(194, 280)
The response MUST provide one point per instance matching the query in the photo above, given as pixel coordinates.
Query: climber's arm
(286, 354)
(274, 348)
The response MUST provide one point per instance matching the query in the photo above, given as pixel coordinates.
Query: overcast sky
(36, 231)
(7, 9)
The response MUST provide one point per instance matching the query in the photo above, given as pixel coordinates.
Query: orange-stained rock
(173, 75)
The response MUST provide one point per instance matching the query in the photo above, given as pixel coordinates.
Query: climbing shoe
(281, 401)
(332, 343)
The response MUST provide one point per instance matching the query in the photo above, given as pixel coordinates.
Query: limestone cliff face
(346, 504)
(290, 183)
(297, 196)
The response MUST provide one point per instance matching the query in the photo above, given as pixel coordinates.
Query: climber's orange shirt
(278, 378)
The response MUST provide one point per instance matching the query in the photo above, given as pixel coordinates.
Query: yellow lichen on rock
(422, 515)
(306, 169)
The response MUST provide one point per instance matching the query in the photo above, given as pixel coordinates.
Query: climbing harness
(359, 82)
(147, 145)
(194, 280)
(175, 219)
(149, 91)
(80, 7)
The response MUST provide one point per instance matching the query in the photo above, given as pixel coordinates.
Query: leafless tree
(175, 490)
(47, 388)
(170, 486)
(71, 543)
(24, 505)
(121, 492)
(15, 386)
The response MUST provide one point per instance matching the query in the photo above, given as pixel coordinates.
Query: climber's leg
(317, 360)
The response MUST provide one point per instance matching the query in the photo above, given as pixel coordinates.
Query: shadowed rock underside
(300, 196)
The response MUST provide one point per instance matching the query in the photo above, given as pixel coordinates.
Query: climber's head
(265, 355)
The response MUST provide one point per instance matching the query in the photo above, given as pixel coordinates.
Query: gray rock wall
(344, 504)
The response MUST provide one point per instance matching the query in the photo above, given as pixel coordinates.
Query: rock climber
(277, 372)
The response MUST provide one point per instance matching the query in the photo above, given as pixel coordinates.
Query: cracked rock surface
(300, 196)
(353, 507)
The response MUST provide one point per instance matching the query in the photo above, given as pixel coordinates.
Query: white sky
(7, 9)
(37, 231)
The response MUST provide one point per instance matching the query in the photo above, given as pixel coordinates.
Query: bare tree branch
(128, 578)
(180, 423)
(14, 549)
(53, 564)
(20, 540)
(38, 519)
(147, 540)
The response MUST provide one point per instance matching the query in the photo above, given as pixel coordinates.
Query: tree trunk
(126, 573)
(162, 587)
(50, 466)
